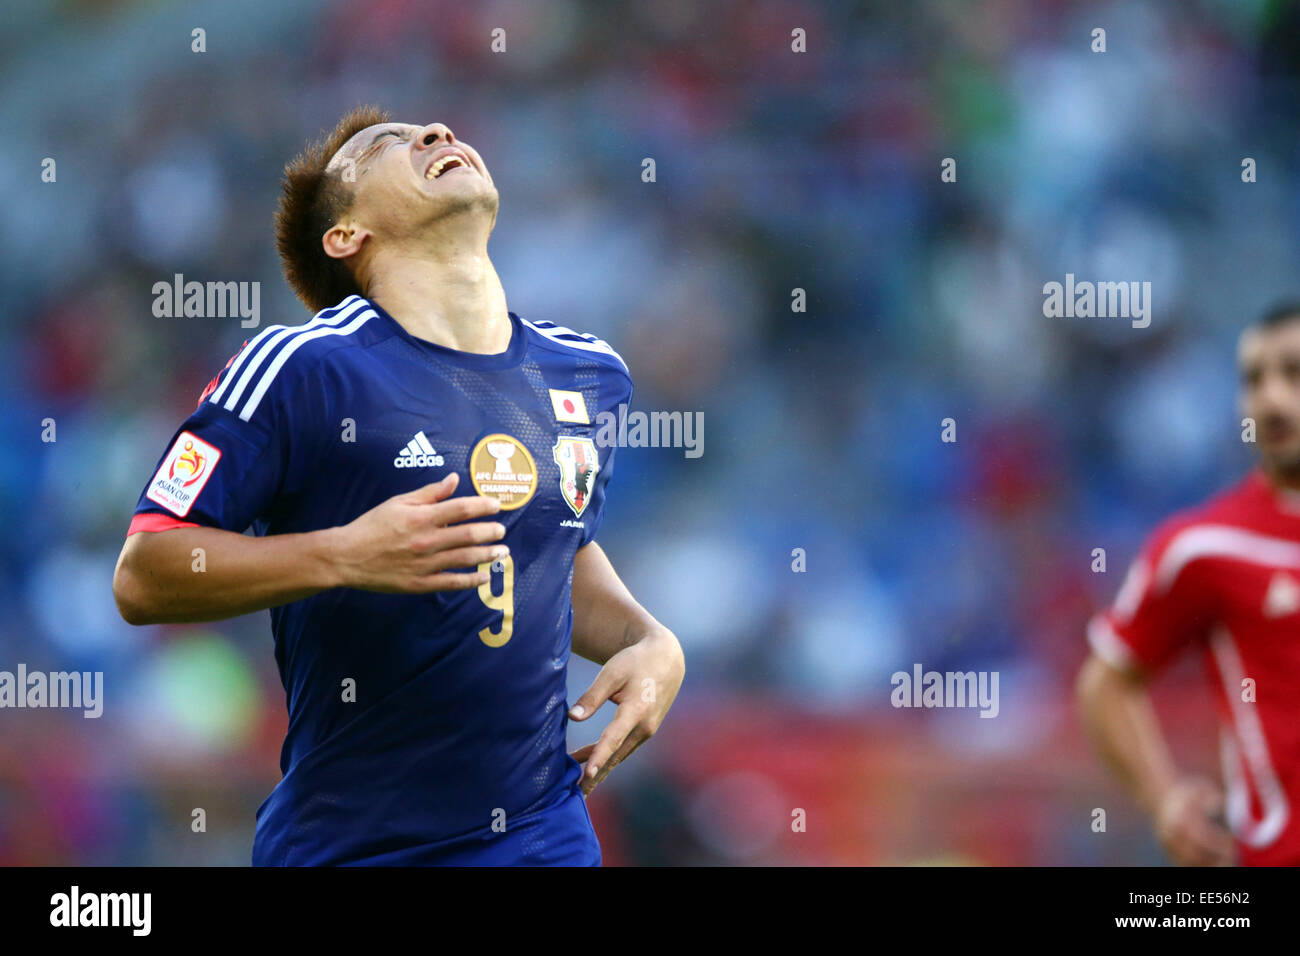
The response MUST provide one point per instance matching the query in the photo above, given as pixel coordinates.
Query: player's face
(406, 177)
(1269, 361)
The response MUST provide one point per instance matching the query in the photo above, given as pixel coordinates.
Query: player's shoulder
(269, 366)
(562, 340)
(1225, 526)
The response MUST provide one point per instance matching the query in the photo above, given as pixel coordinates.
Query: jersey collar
(511, 357)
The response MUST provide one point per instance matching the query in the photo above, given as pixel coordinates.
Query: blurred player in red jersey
(1224, 577)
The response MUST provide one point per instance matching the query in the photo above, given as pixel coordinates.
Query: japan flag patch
(183, 473)
(569, 407)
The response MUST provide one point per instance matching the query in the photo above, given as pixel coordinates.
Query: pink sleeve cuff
(151, 521)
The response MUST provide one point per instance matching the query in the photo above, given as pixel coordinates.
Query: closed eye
(377, 144)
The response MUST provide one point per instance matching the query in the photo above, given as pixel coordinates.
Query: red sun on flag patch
(569, 407)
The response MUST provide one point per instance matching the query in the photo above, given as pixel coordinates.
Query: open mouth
(445, 163)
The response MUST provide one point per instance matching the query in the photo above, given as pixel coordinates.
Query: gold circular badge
(501, 467)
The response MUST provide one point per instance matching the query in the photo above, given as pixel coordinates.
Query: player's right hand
(1187, 826)
(407, 544)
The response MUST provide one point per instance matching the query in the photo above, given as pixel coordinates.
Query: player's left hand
(643, 680)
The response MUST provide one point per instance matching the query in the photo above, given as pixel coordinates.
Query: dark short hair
(311, 202)
(1279, 314)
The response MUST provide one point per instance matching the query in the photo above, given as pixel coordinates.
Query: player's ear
(343, 240)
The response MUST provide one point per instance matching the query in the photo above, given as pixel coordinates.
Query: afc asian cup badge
(579, 464)
(183, 473)
(501, 467)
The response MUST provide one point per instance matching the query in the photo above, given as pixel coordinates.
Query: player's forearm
(1121, 721)
(606, 618)
(205, 574)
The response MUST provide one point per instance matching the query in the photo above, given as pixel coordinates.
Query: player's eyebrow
(365, 153)
(383, 133)
(362, 150)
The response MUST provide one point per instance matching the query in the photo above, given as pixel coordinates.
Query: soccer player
(1225, 578)
(424, 476)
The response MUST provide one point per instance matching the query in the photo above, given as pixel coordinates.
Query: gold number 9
(503, 602)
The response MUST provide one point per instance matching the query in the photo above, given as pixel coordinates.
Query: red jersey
(1225, 577)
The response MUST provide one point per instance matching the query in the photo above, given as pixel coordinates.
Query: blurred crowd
(775, 171)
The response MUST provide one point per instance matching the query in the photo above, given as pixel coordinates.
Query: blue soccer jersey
(422, 728)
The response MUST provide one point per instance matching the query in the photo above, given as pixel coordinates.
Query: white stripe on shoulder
(1222, 541)
(588, 343)
(358, 320)
(256, 345)
(246, 379)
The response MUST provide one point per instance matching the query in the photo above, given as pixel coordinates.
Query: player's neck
(451, 296)
(1282, 479)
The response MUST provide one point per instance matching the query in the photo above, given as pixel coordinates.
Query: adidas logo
(418, 453)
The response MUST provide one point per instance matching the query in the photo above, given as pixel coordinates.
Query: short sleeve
(618, 402)
(1163, 606)
(592, 525)
(225, 465)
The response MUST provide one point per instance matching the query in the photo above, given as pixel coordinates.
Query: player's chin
(466, 188)
(1282, 457)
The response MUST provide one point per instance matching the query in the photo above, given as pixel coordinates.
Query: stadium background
(775, 171)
